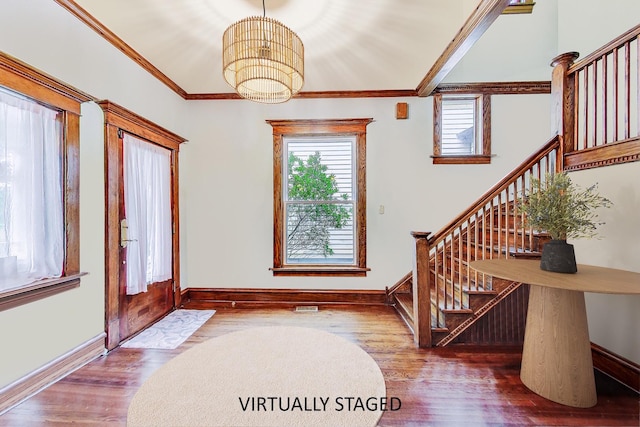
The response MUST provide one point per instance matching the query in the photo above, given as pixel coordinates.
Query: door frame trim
(119, 118)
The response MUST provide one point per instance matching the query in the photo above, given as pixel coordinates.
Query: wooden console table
(556, 357)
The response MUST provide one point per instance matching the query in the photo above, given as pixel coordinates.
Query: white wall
(47, 37)
(515, 48)
(227, 184)
(614, 319)
(586, 25)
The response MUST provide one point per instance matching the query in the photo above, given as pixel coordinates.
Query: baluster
(638, 86)
(492, 228)
(576, 114)
(594, 141)
(458, 272)
(627, 90)
(605, 98)
(585, 140)
(469, 249)
(523, 242)
(436, 276)
(451, 268)
(616, 100)
(506, 224)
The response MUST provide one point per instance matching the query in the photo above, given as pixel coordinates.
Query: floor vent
(307, 308)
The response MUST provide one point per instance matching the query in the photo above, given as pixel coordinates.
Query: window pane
(458, 127)
(31, 193)
(319, 200)
(319, 233)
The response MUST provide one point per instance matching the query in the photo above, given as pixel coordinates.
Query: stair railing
(489, 228)
(603, 113)
(596, 119)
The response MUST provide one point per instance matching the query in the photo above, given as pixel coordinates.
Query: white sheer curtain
(32, 240)
(147, 202)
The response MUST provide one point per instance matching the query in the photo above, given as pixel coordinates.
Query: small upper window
(461, 129)
(519, 6)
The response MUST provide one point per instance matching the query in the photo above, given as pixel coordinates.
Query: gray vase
(558, 256)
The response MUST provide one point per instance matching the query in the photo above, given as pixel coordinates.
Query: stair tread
(406, 301)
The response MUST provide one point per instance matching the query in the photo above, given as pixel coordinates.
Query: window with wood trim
(319, 197)
(39, 156)
(461, 129)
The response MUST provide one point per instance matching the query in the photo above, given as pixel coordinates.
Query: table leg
(556, 358)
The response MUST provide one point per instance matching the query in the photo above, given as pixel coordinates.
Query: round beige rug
(270, 376)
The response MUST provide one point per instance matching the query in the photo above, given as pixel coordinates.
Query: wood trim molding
(355, 127)
(479, 21)
(133, 123)
(280, 298)
(477, 159)
(320, 271)
(604, 155)
(117, 117)
(84, 16)
(617, 367)
(33, 83)
(319, 126)
(21, 389)
(39, 290)
(496, 88)
(390, 93)
(28, 81)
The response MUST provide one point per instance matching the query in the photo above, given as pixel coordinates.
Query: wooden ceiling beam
(480, 20)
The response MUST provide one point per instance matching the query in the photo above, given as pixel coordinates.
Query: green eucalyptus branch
(561, 208)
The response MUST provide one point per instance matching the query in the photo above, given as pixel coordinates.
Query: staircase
(457, 304)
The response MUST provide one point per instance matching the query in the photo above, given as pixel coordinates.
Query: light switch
(381, 209)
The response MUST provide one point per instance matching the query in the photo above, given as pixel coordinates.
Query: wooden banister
(527, 164)
(594, 99)
(628, 36)
(490, 227)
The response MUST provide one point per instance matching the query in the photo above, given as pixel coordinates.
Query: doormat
(171, 331)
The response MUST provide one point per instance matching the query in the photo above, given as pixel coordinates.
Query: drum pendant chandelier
(262, 59)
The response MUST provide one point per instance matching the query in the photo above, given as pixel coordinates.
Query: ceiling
(350, 45)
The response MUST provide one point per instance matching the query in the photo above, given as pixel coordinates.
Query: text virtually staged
(318, 404)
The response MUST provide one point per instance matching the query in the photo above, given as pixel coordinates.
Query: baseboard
(263, 298)
(25, 387)
(617, 367)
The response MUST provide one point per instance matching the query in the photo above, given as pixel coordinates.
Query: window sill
(479, 159)
(38, 290)
(320, 271)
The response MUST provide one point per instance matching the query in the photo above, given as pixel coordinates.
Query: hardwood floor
(451, 386)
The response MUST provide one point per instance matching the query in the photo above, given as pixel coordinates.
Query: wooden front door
(146, 196)
(127, 314)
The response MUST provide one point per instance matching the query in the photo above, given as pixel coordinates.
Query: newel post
(421, 290)
(563, 100)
